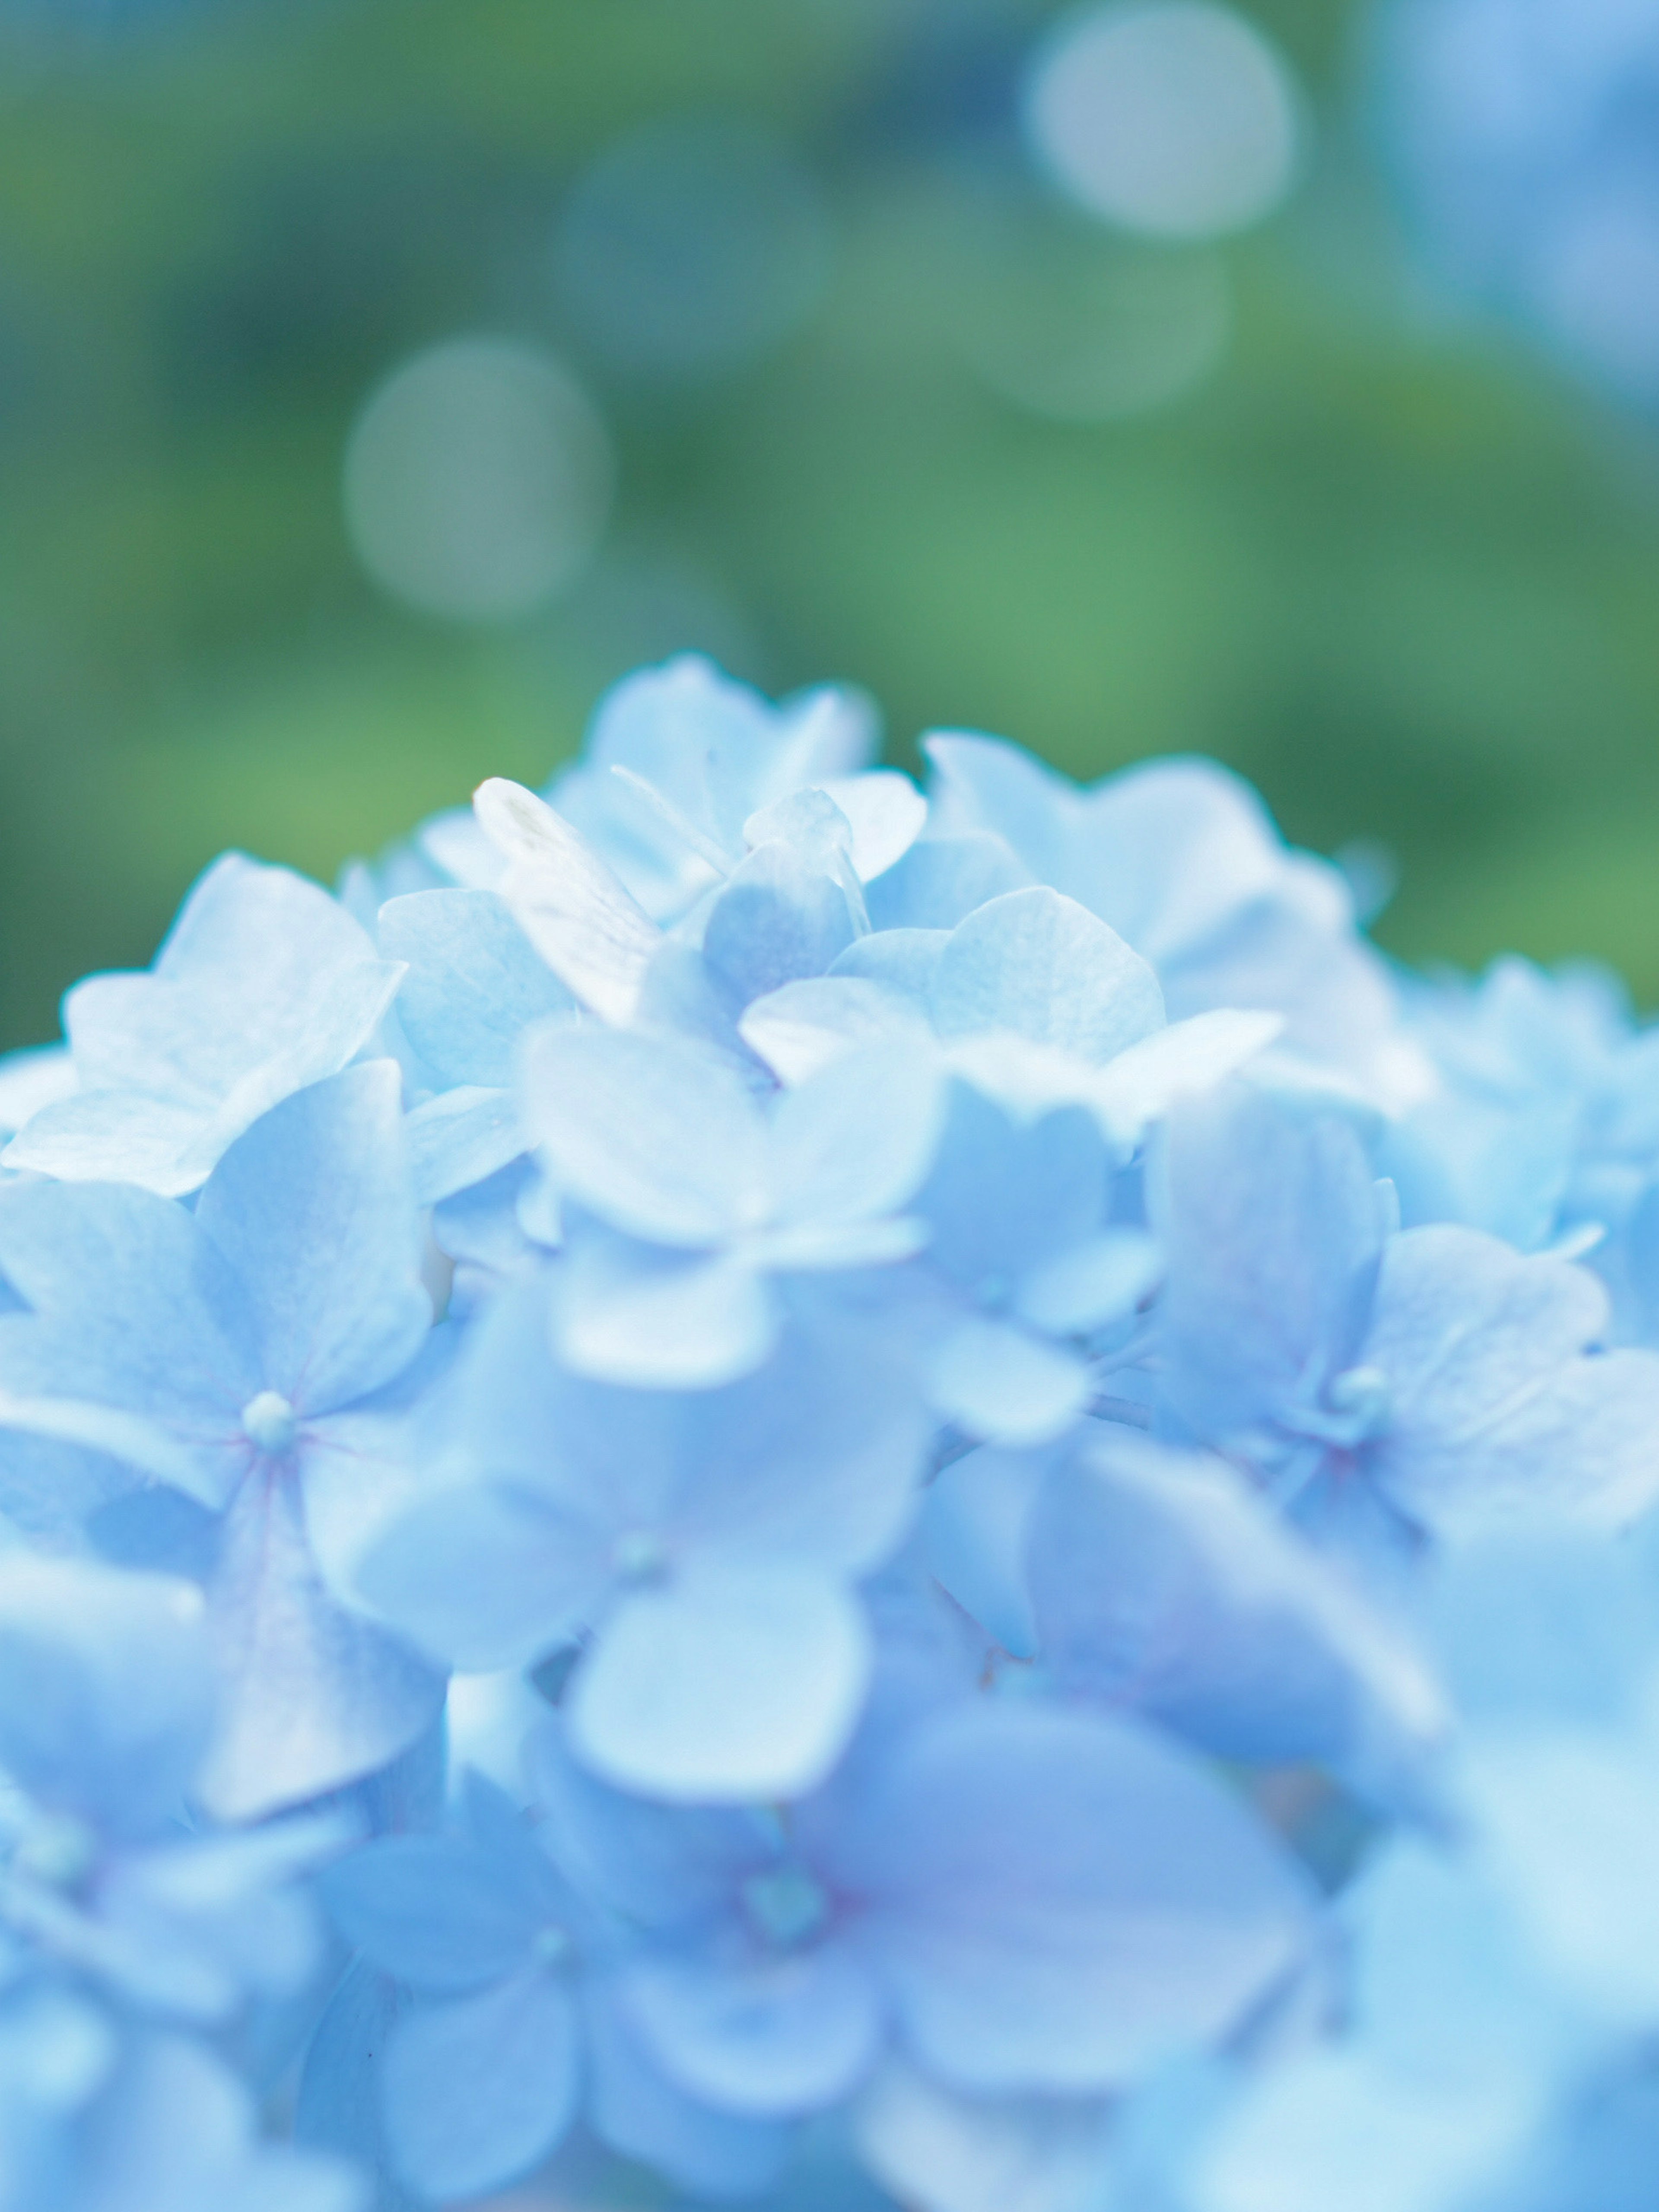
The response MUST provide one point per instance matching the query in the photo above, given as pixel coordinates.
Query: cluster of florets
(854, 1496)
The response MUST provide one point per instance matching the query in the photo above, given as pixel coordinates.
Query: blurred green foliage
(1393, 572)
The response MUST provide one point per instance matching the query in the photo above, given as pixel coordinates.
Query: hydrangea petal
(1037, 964)
(657, 1136)
(479, 2090)
(314, 1207)
(723, 1684)
(474, 984)
(997, 1381)
(568, 902)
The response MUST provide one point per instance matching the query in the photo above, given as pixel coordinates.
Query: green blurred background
(1384, 564)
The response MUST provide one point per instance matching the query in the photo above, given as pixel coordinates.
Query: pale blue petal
(984, 783)
(459, 1138)
(264, 985)
(1269, 1220)
(37, 1077)
(339, 2103)
(856, 1140)
(1101, 1279)
(999, 1381)
(903, 961)
(112, 1136)
(664, 1867)
(485, 1575)
(625, 1314)
(1038, 965)
(766, 2035)
(940, 881)
(312, 1695)
(474, 984)
(886, 812)
(106, 1696)
(480, 2090)
(568, 900)
(658, 1137)
(434, 1911)
(975, 1527)
(955, 2153)
(314, 1209)
(1496, 1408)
(1161, 1582)
(1006, 1195)
(727, 1683)
(1056, 1903)
(804, 1026)
(1141, 1084)
(816, 1460)
(177, 2128)
(637, 2109)
(779, 917)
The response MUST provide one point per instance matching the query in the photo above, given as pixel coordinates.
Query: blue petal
(435, 1911)
(1160, 1581)
(481, 2089)
(1497, 1407)
(999, 1381)
(856, 1140)
(106, 1696)
(765, 2035)
(658, 1137)
(486, 1574)
(314, 1209)
(568, 900)
(265, 984)
(804, 1026)
(779, 918)
(1039, 966)
(1057, 1904)
(474, 984)
(636, 2108)
(313, 1695)
(940, 881)
(459, 1138)
(626, 1313)
(723, 1684)
(1269, 1220)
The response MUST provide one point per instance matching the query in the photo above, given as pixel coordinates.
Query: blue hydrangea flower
(1182, 859)
(1019, 1244)
(1437, 1370)
(264, 985)
(939, 1893)
(707, 1543)
(690, 1206)
(123, 1931)
(1131, 1578)
(263, 1341)
(504, 1962)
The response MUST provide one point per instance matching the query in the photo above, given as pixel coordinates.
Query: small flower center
(786, 1905)
(1362, 1394)
(639, 1556)
(269, 1422)
(55, 1849)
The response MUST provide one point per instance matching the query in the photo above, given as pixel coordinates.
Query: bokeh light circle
(1064, 321)
(477, 480)
(1173, 118)
(691, 245)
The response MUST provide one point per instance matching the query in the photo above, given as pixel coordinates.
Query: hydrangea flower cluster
(749, 1486)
